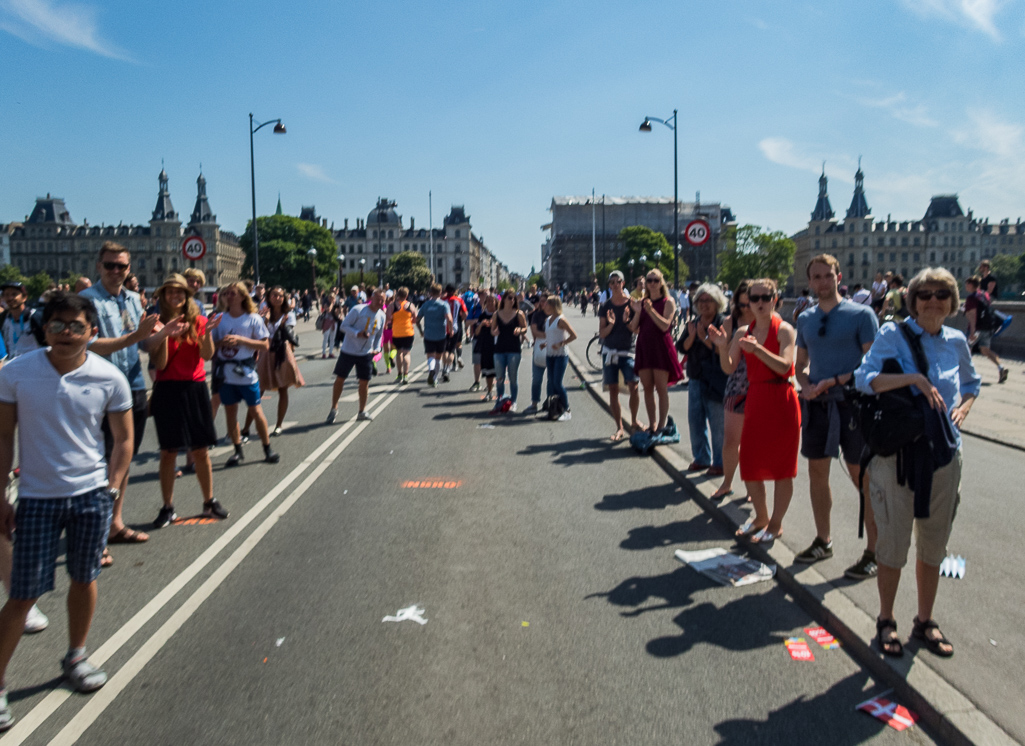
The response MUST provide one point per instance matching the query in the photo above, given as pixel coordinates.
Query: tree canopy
(752, 253)
(284, 243)
(409, 269)
(1008, 269)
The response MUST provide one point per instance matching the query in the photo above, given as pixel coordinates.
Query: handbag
(538, 356)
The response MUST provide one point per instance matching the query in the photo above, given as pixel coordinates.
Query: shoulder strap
(915, 343)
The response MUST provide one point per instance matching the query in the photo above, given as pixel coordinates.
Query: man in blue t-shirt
(832, 338)
(434, 319)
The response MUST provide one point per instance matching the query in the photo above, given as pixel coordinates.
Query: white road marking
(27, 725)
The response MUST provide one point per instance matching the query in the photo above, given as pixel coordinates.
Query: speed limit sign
(194, 248)
(697, 232)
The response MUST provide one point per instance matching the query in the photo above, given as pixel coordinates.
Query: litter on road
(278, 643)
(953, 567)
(798, 649)
(726, 568)
(413, 613)
(822, 637)
(896, 716)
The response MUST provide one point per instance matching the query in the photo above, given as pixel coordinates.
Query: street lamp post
(279, 129)
(341, 268)
(644, 264)
(362, 261)
(312, 254)
(646, 127)
(658, 258)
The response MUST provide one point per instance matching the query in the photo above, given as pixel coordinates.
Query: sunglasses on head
(767, 298)
(111, 266)
(941, 294)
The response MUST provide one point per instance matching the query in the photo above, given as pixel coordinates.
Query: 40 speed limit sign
(194, 248)
(697, 232)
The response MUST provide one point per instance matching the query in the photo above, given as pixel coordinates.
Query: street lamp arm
(261, 126)
(663, 121)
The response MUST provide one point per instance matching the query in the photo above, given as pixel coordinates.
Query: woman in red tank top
(771, 436)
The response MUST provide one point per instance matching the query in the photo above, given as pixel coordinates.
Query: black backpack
(553, 405)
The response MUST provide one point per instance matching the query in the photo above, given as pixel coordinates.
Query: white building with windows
(50, 241)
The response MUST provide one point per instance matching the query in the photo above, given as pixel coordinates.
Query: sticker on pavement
(412, 613)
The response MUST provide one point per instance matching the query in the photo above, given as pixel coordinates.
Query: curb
(945, 711)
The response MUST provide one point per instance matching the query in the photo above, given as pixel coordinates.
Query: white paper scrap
(413, 613)
(726, 568)
(280, 640)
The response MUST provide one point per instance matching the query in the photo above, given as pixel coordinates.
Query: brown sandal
(127, 536)
(920, 631)
(107, 559)
(891, 646)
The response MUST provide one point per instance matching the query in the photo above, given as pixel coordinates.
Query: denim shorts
(233, 393)
(625, 365)
(40, 522)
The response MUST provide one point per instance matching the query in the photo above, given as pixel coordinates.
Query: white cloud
(979, 15)
(758, 23)
(898, 107)
(784, 152)
(314, 172)
(41, 21)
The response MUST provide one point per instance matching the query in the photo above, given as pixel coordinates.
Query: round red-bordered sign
(697, 232)
(194, 248)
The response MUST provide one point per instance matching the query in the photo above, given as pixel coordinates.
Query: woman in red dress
(771, 436)
(656, 361)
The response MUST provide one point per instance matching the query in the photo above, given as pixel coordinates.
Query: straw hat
(174, 280)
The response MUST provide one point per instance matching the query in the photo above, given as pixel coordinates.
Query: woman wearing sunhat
(181, 401)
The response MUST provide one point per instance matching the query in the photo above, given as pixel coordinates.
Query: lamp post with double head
(646, 127)
(279, 129)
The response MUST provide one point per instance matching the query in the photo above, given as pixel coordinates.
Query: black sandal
(891, 646)
(919, 632)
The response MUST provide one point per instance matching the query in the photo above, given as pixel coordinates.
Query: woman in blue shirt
(951, 387)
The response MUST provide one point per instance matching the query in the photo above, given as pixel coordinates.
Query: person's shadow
(675, 590)
(646, 498)
(702, 527)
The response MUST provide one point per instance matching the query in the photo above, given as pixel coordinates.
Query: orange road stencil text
(433, 484)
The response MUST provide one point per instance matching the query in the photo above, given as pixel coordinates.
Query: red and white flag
(894, 715)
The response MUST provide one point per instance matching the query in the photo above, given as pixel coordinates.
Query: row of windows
(65, 246)
(391, 233)
(87, 266)
(867, 274)
(423, 248)
(948, 256)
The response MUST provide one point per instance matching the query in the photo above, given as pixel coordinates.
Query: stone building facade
(50, 241)
(945, 236)
(460, 255)
(566, 254)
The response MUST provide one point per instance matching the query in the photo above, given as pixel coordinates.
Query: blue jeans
(538, 375)
(703, 415)
(556, 370)
(507, 361)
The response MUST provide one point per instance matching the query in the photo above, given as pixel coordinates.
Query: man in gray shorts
(832, 337)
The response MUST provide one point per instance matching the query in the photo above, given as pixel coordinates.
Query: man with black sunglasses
(123, 326)
(832, 338)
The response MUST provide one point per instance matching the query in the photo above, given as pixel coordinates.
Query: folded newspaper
(726, 568)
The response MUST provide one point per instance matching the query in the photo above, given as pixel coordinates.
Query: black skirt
(182, 415)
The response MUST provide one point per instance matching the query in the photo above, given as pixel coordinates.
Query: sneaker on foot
(532, 409)
(235, 459)
(398, 379)
(445, 378)
(276, 431)
(819, 550)
(363, 416)
(36, 621)
(165, 516)
(512, 407)
(475, 386)
(270, 456)
(245, 436)
(6, 716)
(405, 380)
(83, 675)
(430, 379)
(864, 568)
(459, 362)
(332, 416)
(213, 509)
(488, 396)
(565, 417)
(1003, 375)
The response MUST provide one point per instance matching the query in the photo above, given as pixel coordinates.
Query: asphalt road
(543, 562)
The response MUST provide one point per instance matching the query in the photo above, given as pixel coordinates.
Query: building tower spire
(202, 213)
(859, 205)
(164, 209)
(823, 210)
(278, 211)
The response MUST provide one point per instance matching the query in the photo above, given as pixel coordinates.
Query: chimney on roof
(412, 223)
(346, 224)
(323, 222)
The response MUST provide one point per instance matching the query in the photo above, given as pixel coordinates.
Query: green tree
(284, 243)
(70, 279)
(641, 241)
(1006, 268)
(38, 284)
(536, 278)
(409, 269)
(751, 253)
(352, 278)
(10, 273)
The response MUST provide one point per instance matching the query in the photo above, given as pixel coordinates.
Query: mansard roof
(944, 206)
(50, 210)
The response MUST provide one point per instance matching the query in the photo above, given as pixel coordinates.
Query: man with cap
(123, 326)
(619, 339)
(20, 327)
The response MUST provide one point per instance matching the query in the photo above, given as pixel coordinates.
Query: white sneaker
(564, 417)
(512, 407)
(36, 620)
(364, 416)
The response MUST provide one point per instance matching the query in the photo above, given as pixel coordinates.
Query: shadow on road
(675, 590)
(646, 498)
(578, 451)
(701, 527)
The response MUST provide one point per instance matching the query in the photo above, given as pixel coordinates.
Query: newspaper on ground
(726, 568)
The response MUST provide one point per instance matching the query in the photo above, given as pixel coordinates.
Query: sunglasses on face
(651, 279)
(768, 298)
(942, 294)
(56, 326)
(115, 266)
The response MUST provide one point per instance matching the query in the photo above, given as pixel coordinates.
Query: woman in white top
(558, 334)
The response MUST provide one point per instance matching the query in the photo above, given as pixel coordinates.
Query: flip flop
(765, 536)
(617, 436)
(721, 495)
(127, 536)
(107, 559)
(747, 530)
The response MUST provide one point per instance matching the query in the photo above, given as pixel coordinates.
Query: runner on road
(454, 341)
(434, 320)
(401, 314)
(364, 328)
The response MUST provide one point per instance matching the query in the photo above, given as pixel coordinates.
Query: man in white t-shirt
(56, 399)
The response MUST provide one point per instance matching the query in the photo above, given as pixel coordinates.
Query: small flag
(896, 716)
(798, 649)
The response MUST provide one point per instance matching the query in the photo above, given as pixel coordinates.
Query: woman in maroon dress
(772, 415)
(655, 360)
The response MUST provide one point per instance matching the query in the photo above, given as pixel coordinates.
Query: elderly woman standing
(656, 361)
(736, 391)
(707, 381)
(950, 389)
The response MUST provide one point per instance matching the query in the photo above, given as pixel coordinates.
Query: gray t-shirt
(620, 338)
(433, 313)
(837, 349)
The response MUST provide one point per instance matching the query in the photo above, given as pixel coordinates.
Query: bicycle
(595, 351)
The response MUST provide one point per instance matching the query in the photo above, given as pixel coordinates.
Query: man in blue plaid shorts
(56, 399)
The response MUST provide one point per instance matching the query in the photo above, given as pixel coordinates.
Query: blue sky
(500, 106)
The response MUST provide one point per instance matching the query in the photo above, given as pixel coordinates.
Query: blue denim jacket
(116, 317)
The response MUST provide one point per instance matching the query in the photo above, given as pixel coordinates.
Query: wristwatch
(114, 493)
